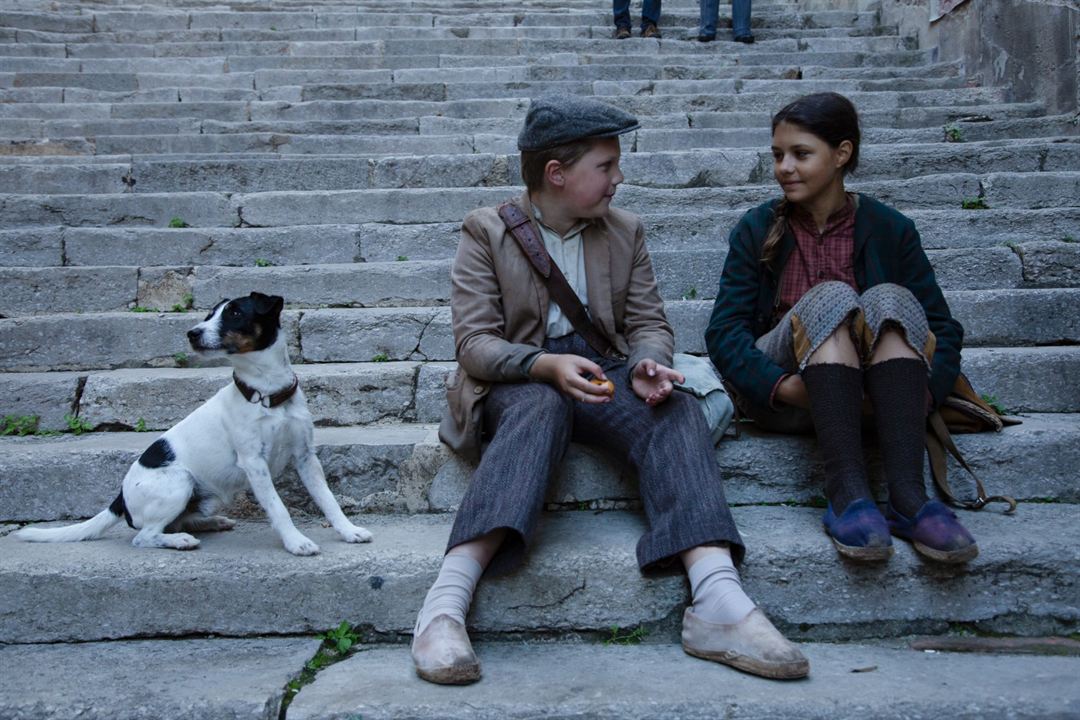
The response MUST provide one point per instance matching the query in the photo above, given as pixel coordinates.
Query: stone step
(679, 28)
(676, 94)
(283, 208)
(219, 677)
(542, 68)
(704, 111)
(654, 158)
(161, 47)
(550, 67)
(92, 341)
(1042, 236)
(402, 468)
(244, 678)
(105, 22)
(527, 680)
(738, 128)
(1023, 379)
(680, 274)
(247, 584)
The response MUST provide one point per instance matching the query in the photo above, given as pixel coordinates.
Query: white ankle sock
(718, 593)
(452, 592)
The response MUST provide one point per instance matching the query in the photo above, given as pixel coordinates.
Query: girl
(827, 298)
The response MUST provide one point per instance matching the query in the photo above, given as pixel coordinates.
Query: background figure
(650, 18)
(710, 11)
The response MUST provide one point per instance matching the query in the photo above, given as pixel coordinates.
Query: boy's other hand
(653, 382)
(567, 374)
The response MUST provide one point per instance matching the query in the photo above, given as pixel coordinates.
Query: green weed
(953, 134)
(143, 309)
(1069, 239)
(20, 425)
(262, 262)
(181, 359)
(178, 222)
(140, 425)
(336, 646)
(974, 204)
(993, 402)
(690, 294)
(402, 258)
(622, 637)
(185, 304)
(380, 357)
(77, 425)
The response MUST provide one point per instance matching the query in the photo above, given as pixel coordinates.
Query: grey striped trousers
(531, 425)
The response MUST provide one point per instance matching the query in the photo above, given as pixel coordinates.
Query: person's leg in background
(740, 21)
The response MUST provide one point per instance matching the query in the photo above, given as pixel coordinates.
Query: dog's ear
(267, 304)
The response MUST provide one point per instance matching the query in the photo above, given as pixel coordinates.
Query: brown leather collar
(268, 401)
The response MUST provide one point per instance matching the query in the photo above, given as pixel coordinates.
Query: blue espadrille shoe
(860, 533)
(935, 532)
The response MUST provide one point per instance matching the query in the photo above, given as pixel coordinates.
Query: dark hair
(533, 162)
(831, 117)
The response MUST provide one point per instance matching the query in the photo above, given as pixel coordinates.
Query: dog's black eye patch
(214, 310)
(157, 455)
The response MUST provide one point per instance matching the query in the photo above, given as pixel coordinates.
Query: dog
(244, 435)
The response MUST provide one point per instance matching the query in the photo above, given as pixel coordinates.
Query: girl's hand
(653, 382)
(566, 373)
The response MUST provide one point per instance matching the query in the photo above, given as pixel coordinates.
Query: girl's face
(806, 167)
(589, 184)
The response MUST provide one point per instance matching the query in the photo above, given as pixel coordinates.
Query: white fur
(227, 443)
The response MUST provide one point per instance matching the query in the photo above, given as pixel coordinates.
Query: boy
(570, 163)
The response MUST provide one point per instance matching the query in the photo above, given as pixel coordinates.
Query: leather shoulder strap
(938, 442)
(564, 296)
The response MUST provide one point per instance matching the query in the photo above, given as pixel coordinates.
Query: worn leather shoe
(650, 31)
(860, 533)
(935, 533)
(443, 654)
(752, 645)
(622, 32)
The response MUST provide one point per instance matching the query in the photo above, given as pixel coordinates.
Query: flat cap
(557, 119)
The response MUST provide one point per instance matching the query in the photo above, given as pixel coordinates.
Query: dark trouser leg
(531, 425)
(680, 482)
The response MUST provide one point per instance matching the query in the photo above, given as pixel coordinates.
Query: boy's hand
(653, 382)
(566, 373)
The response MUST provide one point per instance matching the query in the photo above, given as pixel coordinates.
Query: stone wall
(1031, 46)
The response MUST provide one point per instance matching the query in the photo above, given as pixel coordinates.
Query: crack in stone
(560, 601)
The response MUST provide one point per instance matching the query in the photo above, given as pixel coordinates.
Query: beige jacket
(499, 306)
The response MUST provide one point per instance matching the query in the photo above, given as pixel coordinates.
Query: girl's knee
(889, 301)
(831, 294)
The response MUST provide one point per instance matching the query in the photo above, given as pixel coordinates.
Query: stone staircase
(159, 157)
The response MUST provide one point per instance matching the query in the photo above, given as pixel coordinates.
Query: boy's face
(589, 184)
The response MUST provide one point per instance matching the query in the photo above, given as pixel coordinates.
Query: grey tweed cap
(557, 119)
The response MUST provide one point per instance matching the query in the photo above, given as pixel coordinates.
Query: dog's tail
(91, 529)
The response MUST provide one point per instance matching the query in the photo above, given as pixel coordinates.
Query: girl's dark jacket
(887, 250)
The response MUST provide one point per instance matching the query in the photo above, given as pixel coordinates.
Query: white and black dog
(243, 436)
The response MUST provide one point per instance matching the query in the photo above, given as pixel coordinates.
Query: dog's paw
(355, 534)
(181, 541)
(300, 545)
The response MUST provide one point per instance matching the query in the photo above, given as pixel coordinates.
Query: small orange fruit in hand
(608, 386)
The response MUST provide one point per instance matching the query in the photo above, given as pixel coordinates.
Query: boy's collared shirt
(568, 253)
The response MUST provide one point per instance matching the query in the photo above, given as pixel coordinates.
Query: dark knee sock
(898, 390)
(836, 394)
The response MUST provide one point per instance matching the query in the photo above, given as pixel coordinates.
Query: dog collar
(268, 401)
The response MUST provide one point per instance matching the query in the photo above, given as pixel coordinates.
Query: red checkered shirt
(818, 256)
